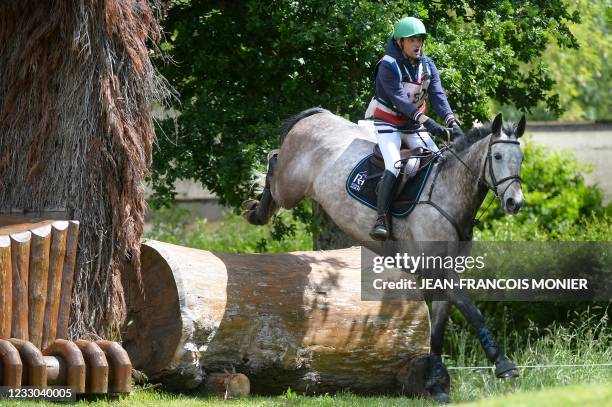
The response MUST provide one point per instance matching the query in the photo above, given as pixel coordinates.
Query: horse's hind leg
(259, 212)
(504, 368)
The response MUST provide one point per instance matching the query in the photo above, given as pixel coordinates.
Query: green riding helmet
(408, 27)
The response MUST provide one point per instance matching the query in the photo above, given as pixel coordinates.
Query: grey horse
(318, 151)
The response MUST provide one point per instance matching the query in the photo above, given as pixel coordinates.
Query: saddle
(412, 160)
(362, 181)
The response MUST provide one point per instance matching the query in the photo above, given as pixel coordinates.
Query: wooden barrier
(37, 266)
(290, 319)
(81, 365)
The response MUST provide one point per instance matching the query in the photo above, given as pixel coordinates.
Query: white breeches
(390, 140)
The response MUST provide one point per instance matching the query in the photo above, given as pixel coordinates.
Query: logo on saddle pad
(359, 181)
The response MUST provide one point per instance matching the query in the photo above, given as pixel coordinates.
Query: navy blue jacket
(389, 89)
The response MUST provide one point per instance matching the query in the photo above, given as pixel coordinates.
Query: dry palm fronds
(76, 89)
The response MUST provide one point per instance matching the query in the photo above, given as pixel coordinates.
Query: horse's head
(502, 168)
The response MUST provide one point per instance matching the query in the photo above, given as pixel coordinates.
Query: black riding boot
(380, 231)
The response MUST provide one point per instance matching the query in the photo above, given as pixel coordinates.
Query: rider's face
(411, 47)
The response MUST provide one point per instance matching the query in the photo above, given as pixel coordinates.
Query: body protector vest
(415, 87)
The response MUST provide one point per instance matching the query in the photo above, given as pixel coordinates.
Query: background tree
(581, 74)
(243, 67)
(76, 86)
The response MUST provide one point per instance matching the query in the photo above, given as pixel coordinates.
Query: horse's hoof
(249, 204)
(505, 369)
(440, 397)
(437, 379)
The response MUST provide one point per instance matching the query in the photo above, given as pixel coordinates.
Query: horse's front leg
(437, 380)
(504, 368)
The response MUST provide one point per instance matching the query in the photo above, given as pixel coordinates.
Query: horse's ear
(520, 128)
(497, 125)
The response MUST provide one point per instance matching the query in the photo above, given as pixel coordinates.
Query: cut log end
(228, 385)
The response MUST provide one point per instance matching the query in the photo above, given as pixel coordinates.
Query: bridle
(494, 180)
(481, 179)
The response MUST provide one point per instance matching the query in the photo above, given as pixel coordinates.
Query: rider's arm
(389, 81)
(437, 96)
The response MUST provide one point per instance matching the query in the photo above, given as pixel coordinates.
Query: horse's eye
(498, 156)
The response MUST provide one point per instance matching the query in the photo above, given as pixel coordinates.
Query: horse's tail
(292, 121)
(259, 212)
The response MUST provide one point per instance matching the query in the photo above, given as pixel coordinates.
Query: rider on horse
(404, 78)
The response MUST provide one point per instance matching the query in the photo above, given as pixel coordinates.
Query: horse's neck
(471, 193)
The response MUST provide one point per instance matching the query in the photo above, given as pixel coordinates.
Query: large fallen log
(285, 320)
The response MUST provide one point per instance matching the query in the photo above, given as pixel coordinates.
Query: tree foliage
(583, 75)
(242, 67)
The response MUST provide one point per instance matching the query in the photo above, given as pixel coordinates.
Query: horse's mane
(475, 134)
(288, 124)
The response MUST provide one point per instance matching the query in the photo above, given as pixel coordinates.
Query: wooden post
(12, 368)
(68, 280)
(20, 259)
(75, 363)
(6, 288)
(96, 372)
(120, 367)
(39, 271)
(54, 283)
(34, 366)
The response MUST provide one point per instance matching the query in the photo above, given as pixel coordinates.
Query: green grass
(584, 342)
(574, 395)
(577, 395)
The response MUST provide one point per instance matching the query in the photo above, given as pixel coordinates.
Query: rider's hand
(456, 131)
(435, 128)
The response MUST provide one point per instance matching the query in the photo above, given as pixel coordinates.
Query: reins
(481, 180)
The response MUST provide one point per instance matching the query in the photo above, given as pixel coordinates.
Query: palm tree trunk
(76, 87)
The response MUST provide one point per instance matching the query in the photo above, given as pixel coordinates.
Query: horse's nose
(513, 205)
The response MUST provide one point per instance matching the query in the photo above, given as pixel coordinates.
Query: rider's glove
(456, 131)
(435, 128)
(454, 125)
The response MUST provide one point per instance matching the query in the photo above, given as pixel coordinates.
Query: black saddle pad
(361, 185)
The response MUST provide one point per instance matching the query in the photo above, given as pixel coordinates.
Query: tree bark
(285, 320)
